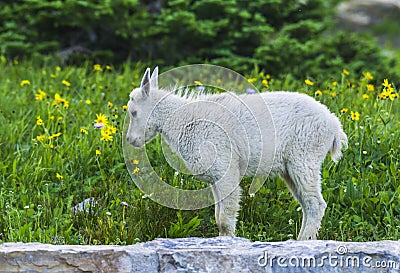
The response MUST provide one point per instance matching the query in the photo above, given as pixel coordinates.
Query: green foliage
(182, 230)
(277, 36)
(41, 26)
(42, 180)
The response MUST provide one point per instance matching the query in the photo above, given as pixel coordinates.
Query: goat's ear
(145, 85)
(154, 78)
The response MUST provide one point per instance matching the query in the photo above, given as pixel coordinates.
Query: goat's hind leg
(218, 205)
(305, 184)
(294, 190)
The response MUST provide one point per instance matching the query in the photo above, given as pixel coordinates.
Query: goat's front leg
(227, 194)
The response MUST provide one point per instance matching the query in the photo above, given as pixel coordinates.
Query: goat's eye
(133, 113)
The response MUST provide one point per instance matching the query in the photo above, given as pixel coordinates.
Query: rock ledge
(219, 254)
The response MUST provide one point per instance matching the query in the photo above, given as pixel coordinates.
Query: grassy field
(53, 157)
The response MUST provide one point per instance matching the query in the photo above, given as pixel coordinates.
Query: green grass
(41, 180)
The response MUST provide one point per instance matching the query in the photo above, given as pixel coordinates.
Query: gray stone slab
(219, 254)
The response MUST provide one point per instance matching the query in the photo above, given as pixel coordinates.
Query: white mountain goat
(290, 140)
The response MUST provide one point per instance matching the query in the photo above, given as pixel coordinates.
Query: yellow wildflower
(105, 136)
(350, 85)
(335, 83)
(84, 131)
(24, 82)
(101, 118)
(251, 80)
(59, 100)
(370, 87)
(308, 82)
(345, 72)
(53, 76)
(66, 83)
(384, 94)
(39, 121)
(355, 115)
(197, 83)
(368, 76)
(54, 135)
(135, 162)
(41, 138)
(98, 152)
(108, 67)
(265, 83)
(58, 69)
(344, 110)
(388, 91)
(136, 170)
(393, 95)
(365, 96)
(110, 104)
(110, 130)
(97, 67)
(386, 83)
(125, 107)
(318, 93)
(59, 176)
(88, 102)
(333, 94)
(40, 95)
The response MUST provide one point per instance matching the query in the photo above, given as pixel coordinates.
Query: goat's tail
(339, 143)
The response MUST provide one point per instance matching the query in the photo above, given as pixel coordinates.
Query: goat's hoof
(226, 231)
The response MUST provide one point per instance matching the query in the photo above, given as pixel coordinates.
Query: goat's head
(142, 126)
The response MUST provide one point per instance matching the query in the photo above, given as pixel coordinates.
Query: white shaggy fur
(224, 137)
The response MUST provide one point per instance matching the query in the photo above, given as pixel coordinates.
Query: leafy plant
(53, 157)
(180, 229)
(276, 36)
